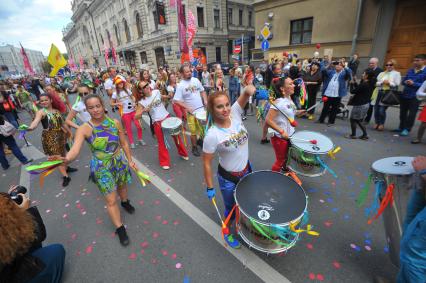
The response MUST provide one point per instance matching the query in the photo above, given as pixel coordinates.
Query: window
(102, 39)
(240, 17)
(230, 16)
(301, 31)
(250, 18)
(117, 36)
(218, 54)
(200, 16)
(161, 13)
(216, 16)
(126, 30)
(139, 25)
(144, 58)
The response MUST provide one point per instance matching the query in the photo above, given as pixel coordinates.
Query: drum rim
(312, 152)
(270, 224)
(268, 251)
(386, 173)
(198, 113)
(172, 118)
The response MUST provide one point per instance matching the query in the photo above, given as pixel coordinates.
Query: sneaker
(311, 117)
(71, 169)
(380, 128)
(165, 167)
(231, 241)
(5, 168)
(128, 207)
(416, 141)
(122, 235)
(142, 142)
(195, 151)
(363, 137)
(132, 146)
(350, 137)
(244, 118)
(185, 157)
(330, 124)
(264, 141)
(28, 161)
(65, 181)
(404, 133)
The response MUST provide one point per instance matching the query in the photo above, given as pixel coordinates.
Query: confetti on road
(89, 249)
(310, 246)
(132, 256)
(336, 265)
(178, 265)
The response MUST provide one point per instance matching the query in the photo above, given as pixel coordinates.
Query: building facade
(144, 33)
(372, 28)
(11, 61)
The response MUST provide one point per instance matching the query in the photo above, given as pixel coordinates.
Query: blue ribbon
(325, 166)
(373, 208)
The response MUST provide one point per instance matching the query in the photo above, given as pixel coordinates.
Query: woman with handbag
(360, 102)
(7, 130)
(387, 81)
(421, 96)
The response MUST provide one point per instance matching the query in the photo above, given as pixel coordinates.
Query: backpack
(7, 129)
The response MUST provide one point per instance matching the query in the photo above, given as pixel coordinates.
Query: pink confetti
(311, 276)
(132, 256)
(144, 244)
(78, 205)
(141, 202)
(328, 223)
(178, 265)
(158, 217)
(145, 222)
(336, 264)
(154, 261)
(74, 236)
(309, 246)
(320, 277)
(176, 222)
(77, 253)
(99, 221)
(157, 202)
(321, 201)
(155, 235)
(368, 248)
(67, 205)
(142, 251)
(165, 253)
(48, 210)
(174, 256)
(89, 249)
(165, 222)
(65, 216)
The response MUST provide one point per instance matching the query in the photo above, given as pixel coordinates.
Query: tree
(46, 67)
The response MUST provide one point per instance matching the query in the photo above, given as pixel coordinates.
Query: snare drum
(268, 203)
(306, 158)
(173, 125)
(398, 172)
(201, 116)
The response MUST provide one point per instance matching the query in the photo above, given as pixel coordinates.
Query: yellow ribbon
(298, 231)
(45, 174)
(332, 153)
(143, 178)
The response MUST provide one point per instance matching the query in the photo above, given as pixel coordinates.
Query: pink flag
(114, 55)
(27, 64)
(106, 55)
(183, 46)
(191, 31)
(172, 4)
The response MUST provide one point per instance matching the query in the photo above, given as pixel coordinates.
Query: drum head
(171, 123)
(324, 144)
(201, 115)
(270, 197)
(398, 165)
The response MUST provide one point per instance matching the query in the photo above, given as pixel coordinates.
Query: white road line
(258, 266)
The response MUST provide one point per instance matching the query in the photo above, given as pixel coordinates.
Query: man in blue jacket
(409, 103)
(335, 87)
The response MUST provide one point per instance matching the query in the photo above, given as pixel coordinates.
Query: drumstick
(293, 122)
(225, 230)
(324, 99)
(303, 140)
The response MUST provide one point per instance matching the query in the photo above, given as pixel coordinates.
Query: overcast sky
(35, 23)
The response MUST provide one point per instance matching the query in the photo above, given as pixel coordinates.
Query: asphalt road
(173, 241)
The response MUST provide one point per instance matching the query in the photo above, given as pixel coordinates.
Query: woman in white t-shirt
(145, 76)
(150, 101)
(227, 137)
(280, 124)
(79, 108)
(122, 97)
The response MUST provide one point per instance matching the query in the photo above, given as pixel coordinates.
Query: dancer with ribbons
(281, 119)
(227, 137)
(109, 167)
(151, 101)
(54, 131)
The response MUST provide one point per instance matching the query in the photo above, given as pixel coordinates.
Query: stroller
(343, 111)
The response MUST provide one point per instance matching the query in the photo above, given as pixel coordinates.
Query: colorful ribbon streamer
(387, 200)
(362, 197)
(43, 169)
(325, 166)
(378, 187)
(143, 178)
(332, 153)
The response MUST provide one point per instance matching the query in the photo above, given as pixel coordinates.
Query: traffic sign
(237, 49)
(265, 45)
(238, 40)
(265, 32)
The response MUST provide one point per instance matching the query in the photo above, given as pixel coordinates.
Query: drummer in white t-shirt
(275, 119)
(190, 95)
(79, 108)
(150, 101)
(227, 137)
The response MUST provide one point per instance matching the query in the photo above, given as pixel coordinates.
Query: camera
(14, 194)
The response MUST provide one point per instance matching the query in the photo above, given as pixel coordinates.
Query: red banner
(27, 64)
(183, 46)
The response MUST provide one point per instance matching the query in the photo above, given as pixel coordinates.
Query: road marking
(258, 266)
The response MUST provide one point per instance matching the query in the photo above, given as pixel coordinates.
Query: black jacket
(25, 267)
(362, 93)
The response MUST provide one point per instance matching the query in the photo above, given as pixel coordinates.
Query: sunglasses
(83, 93)
(389, 65)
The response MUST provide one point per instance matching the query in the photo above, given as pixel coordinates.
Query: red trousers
(280, 147)
(127, 121)
(179, 111)
(163, 153)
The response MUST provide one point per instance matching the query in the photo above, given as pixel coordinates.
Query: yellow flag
(56, 60)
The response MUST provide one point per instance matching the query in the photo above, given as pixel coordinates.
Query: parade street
(175, 232)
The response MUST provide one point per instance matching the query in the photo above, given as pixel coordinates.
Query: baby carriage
(343, 111)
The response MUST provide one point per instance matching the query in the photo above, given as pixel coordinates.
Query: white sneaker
(142, 142)
(185, 157)
(132, 146)
(165, 167)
